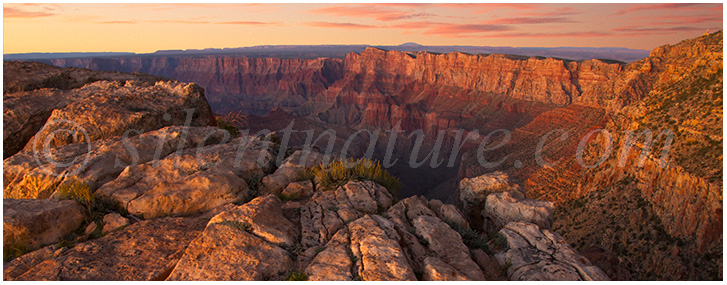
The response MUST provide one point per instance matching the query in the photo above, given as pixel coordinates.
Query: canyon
(620, 219)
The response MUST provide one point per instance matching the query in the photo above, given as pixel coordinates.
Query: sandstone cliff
(675, 201)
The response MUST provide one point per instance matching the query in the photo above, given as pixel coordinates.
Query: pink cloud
(414, 25)
(564, 11)
(250, 23)
(549, 35)
(530, 20)
(339, 25)
(378, 12)
(10, 12)
(676, 20)
(652, 30)
(457, 29)
(481, 8)
(671, 6)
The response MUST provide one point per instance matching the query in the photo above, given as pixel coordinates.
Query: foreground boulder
(241, 244)
(26, 109)
(502, 209)
(193, 181)
(447, 244)
(108, 109)
(474, 191)
(357, 221)
(290, 169)
(146, 250)
(378, 254)
(535, 254)
(334, 262)
(27, 176)
(328, 211)
(30, 224)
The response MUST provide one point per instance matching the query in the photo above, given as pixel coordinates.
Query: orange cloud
(481, 8)
(339, 25)
(458, 29)
(118, 22)
(530, 20)
(565, 11)
(549, 35)
(250, 23)
(378, 12)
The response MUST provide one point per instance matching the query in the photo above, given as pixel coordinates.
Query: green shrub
(306, 175)
(472, 238)
(13, 249)
(273, 138)
(297, 276)
(254, 182)
(338, 173)
(222, 124)
(500, 240)
(285, 197)
(74, 189)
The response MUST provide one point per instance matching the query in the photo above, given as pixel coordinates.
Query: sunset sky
(144, 28)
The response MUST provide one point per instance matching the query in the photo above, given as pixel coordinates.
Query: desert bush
(222, 124)
(338, 173)
(472, 238)
(297, 276)
(254, 182)
(74, 189)
(306, 174)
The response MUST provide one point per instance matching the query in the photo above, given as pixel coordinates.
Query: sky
(145, 28)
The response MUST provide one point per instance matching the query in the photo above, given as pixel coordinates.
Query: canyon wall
(378, 88)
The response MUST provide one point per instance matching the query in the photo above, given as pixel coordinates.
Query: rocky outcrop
(474, 191)
(502, 209)
(106, 109)
(290, 169)
(334, 262)
(71, 105)
(329, 211)
(30, 224)
(535, 254)
(378, 254)
(146, 250)
(112, 222)
(447, 245)
(33, 90)
(241, 244)
(437, 270)
(448, 213)
(22, 264)
(26, 175)
(193, 181)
